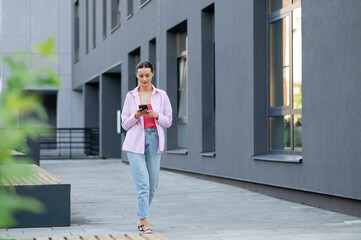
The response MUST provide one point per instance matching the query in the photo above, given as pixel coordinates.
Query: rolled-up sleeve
(165, 118)
(128, 119)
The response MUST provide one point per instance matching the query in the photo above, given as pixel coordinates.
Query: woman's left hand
(152, 114)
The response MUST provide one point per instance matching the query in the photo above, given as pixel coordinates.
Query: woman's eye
(140, 76)
(147, 75)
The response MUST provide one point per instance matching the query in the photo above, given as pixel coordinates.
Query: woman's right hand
(140, 113)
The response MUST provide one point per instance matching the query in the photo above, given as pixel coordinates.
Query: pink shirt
(134, 139)
(149, 122)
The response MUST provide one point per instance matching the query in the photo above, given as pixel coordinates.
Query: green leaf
(46, 47)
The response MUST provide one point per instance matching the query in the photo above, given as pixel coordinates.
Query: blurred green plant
(16, 105)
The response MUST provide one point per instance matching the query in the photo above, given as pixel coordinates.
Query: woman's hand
(140, 113)
(152, 114)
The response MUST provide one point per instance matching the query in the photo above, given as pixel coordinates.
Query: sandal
(148, 231)
(141, 228)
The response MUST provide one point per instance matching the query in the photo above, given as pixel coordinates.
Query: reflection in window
(285, 76)
(76, 32)
(274, 5)
(136, 62)
(104, 18)
(280, 129)
(297, 59)
(130, 7)
(115, 13)
(86, 26)
(94, 23)
(279, 63)
(182, 89)
(142, 2)
(297, 132)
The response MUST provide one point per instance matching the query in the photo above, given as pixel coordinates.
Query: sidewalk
(103, 202)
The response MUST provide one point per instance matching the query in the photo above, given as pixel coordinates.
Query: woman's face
(145, 76)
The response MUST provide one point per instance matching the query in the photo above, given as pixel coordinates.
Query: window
(86, 26)
(182, 77)
(115, 14)
(133, 61)
(94, 23)
(153, 59)
(76, 32)
(130, 8)
(208, 83)
(177, 87)
(143, 3)
(104, 18)
(285, 76)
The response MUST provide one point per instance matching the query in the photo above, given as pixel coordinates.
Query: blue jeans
(145, 169)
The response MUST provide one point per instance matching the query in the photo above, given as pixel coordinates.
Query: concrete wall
(331, 60)
(26, 22)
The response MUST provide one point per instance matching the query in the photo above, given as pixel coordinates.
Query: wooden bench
(53, 192)
(134, 236)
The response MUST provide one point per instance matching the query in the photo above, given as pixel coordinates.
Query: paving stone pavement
(103, 202)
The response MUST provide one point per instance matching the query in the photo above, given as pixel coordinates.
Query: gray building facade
(26, 22)
(265, 93)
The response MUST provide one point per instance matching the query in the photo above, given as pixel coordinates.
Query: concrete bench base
(52, 192)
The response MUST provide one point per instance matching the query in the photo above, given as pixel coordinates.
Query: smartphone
(145, 106)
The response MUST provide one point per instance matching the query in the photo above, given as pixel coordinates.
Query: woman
(144, 141)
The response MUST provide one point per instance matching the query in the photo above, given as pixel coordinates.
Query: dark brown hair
(144, 64)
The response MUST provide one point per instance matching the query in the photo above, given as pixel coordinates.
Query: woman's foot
(148, 231)
(141, 225)
(144, 225)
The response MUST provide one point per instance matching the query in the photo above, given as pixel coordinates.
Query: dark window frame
(152, 48)
(115, 14)
(130, 8)
(182, 120)
(281, 111)
(134, 58)
(104, 19)
(143, 3)
(175, 45)
(208, 79)
(86, 26)
(76, 32)
(94, 23)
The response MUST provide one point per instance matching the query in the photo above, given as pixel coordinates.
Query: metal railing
(70, 143)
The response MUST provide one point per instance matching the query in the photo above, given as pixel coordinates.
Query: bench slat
(32, 180)
(119, 237)
(4, 182)
(88, 238)
(154, 236)
(18, 180)
(104, 237)
(159, 236)
(42, 238)
(73, 238)
(40, 177)
(135, 236)
(57, 238)
(48, 175)
(45, 179)
(14, 181)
